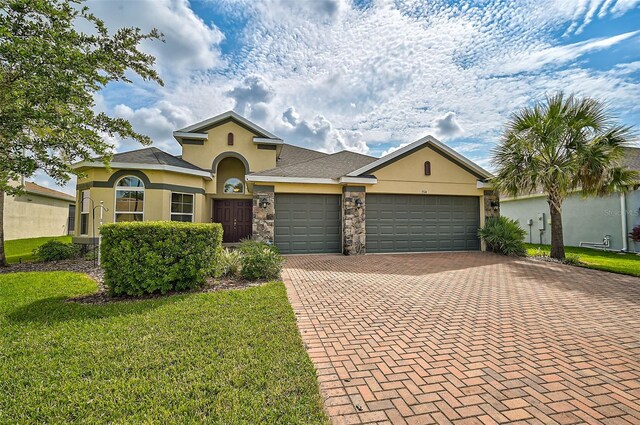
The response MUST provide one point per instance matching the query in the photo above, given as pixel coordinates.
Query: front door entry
(235, 215)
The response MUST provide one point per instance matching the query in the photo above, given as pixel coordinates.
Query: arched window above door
(233, 186)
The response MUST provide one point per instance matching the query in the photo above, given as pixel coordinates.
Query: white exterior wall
(583, 219)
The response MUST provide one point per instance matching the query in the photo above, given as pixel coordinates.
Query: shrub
(635, 234)
(504, 236)
(259, 260)
(229, 263)
(55, 251)
(149, 257)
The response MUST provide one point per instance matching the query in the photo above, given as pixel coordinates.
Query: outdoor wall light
(264, 203)
(495, 205)
(358, 203)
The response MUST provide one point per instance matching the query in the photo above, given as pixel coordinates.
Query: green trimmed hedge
(150, 257)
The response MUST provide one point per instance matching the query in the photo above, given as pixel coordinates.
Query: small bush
(572, 260)
(148, 257)
(229, 263)
(55, 251)
(259, 260)
(504, 236)
(635, 234)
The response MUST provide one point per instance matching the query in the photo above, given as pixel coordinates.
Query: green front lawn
(226, 357)
(597, 259)
(22, 249)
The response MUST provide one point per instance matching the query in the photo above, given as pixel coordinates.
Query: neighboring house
(38, 212)
(423, 197)
(584, 220)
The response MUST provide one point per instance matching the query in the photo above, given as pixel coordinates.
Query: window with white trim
(182, 207)
(129, 199)
(84, 211)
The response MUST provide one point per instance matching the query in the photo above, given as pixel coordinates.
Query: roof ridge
(357, 153)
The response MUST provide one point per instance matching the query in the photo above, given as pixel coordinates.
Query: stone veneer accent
(263, 218)
(491, 196)
(353, 219)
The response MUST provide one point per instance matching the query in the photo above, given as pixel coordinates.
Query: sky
(372, 75)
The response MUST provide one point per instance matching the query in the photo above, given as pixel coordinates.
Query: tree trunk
(3, 257)
(557, 238)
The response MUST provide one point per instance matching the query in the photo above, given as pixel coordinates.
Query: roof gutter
(309, 180)
(135, 166)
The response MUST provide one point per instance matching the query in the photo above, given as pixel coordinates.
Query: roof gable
(224, 118)
(435, 145)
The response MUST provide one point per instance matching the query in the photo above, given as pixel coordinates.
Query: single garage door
(307, 224)
(415, 223)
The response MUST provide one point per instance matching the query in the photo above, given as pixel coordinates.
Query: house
(38, 212)
(423, 197)
(602, 222)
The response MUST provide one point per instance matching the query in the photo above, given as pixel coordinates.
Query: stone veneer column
(489, 197)
(353, 221)
(263, 218)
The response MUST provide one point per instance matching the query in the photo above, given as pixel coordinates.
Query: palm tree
(559, 146)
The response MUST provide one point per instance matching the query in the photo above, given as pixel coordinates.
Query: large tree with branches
(49, 74)
(563, 145)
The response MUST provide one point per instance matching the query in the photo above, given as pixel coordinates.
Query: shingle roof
(36, 189)
(329, 166)
(152, 155)
(632, 158)
(291, 154)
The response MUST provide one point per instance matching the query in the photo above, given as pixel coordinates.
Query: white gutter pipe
(623, 219)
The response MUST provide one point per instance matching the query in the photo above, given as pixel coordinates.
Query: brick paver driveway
(468, 338)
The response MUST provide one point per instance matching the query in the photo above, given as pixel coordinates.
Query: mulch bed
(102, 297)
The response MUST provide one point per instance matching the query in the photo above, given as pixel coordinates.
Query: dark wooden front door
(235, 215)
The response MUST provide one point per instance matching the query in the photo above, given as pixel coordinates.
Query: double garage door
(414, 223)
(307, 224)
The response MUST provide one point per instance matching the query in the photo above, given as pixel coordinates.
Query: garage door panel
(307, 224)
(397, 223)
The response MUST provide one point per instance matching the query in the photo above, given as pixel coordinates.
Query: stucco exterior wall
(583, 220)
(406, 176)
(203, 155)
(157, 202)
(33, 216)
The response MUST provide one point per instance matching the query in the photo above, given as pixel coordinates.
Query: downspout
(623, 219)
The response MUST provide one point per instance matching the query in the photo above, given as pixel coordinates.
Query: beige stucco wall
(156, 201)
(228, 168)
(33, 216)
(407, 176)
(203, 155)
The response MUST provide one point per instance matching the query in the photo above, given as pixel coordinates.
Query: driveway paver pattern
(469, 338)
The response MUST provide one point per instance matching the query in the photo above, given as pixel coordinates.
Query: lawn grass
(228, 357)
(596, 259)
(22, 249)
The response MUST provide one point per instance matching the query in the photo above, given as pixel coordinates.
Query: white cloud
(447, 125)
(559, 55)
(157, 122)
(190, 43)
(253, 92)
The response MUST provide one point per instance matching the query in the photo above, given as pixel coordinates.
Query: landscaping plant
(259, 260)
(634, 235)
(504, 236)
(148, 257)
(559, 146)
(230, 262)
(54, 250)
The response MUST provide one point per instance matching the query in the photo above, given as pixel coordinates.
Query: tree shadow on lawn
(59, 309)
